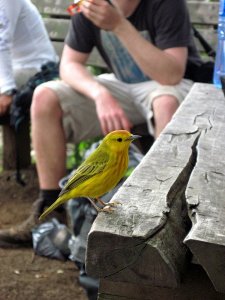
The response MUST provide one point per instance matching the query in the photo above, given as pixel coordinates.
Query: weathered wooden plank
(205, 190)
(210, 35)
(58, 47)
(142, 240)
(52, 7)
(57, 28)
(202, 12)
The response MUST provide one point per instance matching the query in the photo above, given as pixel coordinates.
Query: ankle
(49, 196)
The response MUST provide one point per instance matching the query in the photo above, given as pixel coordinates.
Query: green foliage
(1, 155)
(129, 171)
(95, 70)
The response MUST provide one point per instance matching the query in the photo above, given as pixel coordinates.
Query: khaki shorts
(80, 120)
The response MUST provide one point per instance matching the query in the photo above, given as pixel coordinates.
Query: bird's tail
(58, 202)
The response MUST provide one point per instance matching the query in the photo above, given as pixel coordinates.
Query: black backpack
(203, 71)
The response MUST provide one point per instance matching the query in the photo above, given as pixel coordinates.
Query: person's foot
(21, 235)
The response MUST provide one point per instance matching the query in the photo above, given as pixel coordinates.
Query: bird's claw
(108, 209)
(114, 203)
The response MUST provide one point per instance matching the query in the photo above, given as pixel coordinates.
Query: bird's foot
(107, 209)
(114, 203)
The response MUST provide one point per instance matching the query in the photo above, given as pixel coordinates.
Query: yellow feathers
(100, 172)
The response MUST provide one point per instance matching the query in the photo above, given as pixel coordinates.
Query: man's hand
(110, 114)
(5, 102)
(102, 13)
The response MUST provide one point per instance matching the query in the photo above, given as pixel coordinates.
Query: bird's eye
(119, 140)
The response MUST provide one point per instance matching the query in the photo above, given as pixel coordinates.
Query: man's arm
(165, 66)
(74, 72)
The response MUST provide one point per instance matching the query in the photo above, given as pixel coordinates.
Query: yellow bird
(99, 173)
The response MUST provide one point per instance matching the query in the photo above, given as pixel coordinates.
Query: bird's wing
(93, 165)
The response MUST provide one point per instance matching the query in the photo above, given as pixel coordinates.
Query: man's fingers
(104, 126)
(116, 123)
(109, 125)
(122, 122)
(127, 125)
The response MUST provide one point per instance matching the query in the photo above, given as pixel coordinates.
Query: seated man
(24, 47)
(146, 44)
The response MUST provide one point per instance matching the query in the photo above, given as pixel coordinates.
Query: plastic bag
(51, 239)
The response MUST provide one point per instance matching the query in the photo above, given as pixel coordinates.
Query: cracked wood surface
(142, 240)
(205, 192)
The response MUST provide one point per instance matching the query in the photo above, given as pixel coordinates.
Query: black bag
(20, 108)
(203, 71)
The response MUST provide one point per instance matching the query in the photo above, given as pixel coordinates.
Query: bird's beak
(133, 137)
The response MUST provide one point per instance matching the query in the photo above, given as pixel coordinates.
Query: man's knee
(166, 104)
(44, 103)
(163, 109)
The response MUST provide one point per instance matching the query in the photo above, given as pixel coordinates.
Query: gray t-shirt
(165, 23)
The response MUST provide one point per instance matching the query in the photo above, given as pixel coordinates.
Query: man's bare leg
(48, 138)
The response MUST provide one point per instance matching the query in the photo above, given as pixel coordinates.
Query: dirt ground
(23, 275)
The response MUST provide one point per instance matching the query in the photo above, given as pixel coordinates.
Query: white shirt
(24, 41)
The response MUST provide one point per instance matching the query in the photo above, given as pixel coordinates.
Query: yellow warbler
(100, 172)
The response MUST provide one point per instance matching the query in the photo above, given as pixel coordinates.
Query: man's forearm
(79, 78)
(155, 63)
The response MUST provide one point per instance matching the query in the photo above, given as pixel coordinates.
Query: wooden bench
(173, 210)
(56, 18)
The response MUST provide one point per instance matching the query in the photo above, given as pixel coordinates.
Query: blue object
(222, 8)
(219, 68)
